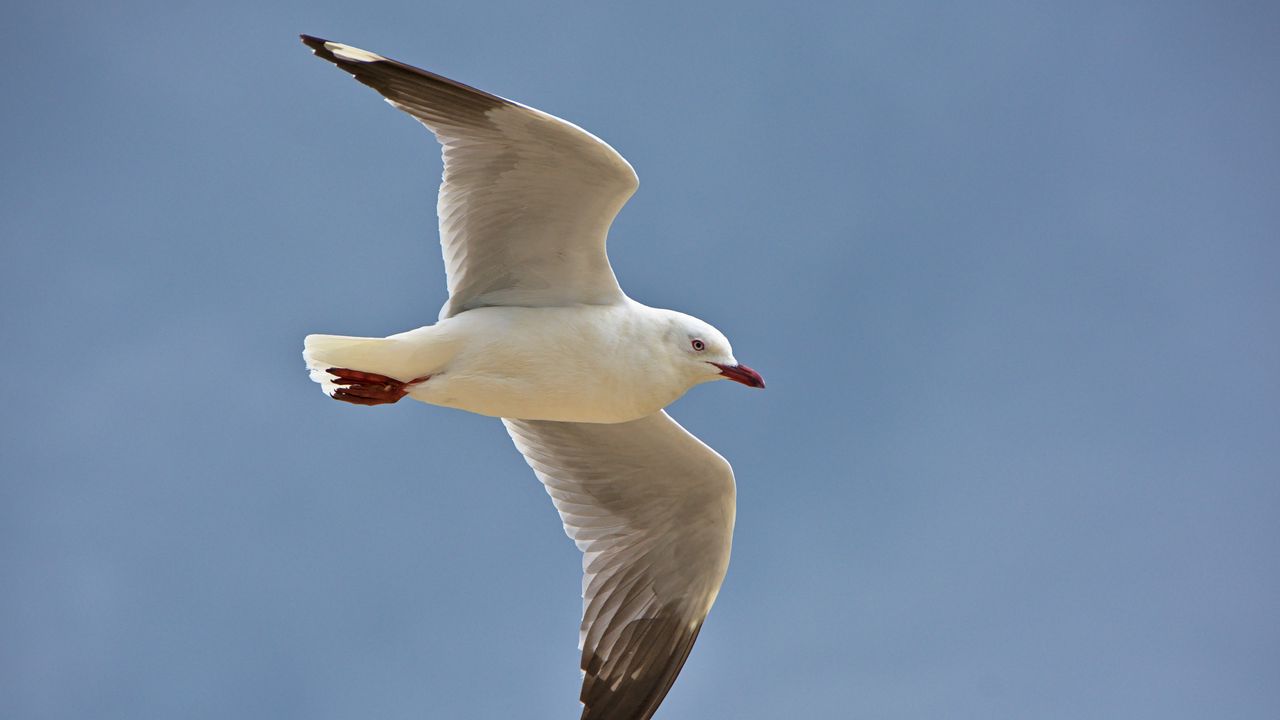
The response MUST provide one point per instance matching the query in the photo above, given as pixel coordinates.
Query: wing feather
(651, 508)
(526, 200)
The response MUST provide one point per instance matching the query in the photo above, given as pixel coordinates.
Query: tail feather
(384, 356)
(406, 356)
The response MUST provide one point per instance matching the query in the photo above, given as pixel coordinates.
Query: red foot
(366, 388)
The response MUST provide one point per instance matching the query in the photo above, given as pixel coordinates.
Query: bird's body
(578, 363)
(537, 331)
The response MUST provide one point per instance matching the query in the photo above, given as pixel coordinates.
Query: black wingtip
(317, 46)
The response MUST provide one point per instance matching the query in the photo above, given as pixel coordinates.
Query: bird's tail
(385, 356)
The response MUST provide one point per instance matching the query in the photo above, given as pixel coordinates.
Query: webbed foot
(366, 388)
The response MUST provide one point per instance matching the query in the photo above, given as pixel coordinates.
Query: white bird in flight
(537, 331)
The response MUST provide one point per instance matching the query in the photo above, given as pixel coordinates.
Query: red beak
(741, 374)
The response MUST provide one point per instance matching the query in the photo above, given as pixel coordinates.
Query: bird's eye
(698, 345)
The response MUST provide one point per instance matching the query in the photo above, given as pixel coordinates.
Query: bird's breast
(582, 364)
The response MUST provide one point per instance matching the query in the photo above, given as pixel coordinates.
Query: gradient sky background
(1012, 271)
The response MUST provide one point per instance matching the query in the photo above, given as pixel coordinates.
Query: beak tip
(742, 374)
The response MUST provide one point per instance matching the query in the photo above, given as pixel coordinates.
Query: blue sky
(1010, 270)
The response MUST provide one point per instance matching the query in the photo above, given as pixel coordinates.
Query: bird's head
(703, 353)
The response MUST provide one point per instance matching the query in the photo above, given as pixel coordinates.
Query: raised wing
(527, 199)
(651, 508)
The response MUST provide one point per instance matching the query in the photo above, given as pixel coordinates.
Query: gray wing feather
(651, 508)
(526, 200)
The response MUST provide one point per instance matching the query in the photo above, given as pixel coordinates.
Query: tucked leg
(366, 388)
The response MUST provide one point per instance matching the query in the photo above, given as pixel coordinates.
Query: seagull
(537, 331)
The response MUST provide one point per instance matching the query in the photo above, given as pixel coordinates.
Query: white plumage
(538, 332)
